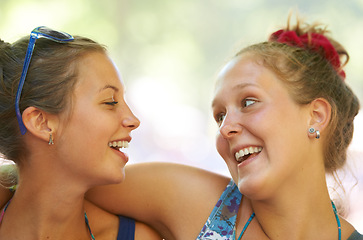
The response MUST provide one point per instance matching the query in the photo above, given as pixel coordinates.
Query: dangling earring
(50, 139)
(312, 131)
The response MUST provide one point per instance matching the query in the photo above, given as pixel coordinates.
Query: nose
(130, 121)
(230, 126)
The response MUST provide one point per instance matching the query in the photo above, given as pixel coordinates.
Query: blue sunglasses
(39, 32)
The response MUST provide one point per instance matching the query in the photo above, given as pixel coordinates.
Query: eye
(219, 118)
(248, 102)
(113, 103)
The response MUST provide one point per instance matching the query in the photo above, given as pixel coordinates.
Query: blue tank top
(221, 224)
(126, 229)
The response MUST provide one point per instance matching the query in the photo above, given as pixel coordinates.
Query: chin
(254, 189)
(112, 178)
(117, 178)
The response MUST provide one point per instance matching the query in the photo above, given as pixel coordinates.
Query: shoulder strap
(221, 222)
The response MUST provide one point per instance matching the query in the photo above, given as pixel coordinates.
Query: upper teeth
(246, 151)
(119, 144)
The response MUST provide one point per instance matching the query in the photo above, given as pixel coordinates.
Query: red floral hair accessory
(313, 41)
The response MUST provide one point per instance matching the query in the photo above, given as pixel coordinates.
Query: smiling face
(100, 122)
(262, 132)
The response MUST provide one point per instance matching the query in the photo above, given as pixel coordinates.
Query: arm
(144, 232)
(174, 199)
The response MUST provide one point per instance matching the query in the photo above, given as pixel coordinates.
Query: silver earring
(317, 134)
(312, 130)
(50, 139)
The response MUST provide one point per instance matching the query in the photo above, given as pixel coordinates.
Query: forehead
(96, 71)
(245, 69)
(240, 66)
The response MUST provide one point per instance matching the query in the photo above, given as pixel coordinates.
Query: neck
(300, 213)
(46, 207)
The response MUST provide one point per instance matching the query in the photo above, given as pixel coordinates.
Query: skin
(49, 202)
(254, 108)
(284, 184)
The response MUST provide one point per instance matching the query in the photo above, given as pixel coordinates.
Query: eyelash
(246, 100)
(113, 103)
(220, 116)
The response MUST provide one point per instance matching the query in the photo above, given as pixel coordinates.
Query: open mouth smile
(245, 153)
(118, 144)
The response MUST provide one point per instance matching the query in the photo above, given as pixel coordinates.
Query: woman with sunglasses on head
(64, 122)
(285, 118)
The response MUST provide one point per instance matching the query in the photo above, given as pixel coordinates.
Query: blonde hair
(309, 75)
(49, 83)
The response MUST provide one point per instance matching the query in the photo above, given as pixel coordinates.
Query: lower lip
(121, 155)
(248, 160)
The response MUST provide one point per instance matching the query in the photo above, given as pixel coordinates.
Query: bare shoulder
(144, 232)
(103, 224)
(347, 229)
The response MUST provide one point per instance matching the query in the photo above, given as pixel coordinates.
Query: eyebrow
(109, 87)
(238, 86)
(243, 85)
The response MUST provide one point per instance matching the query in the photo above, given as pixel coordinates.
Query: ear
(39, 122)
(320, 114)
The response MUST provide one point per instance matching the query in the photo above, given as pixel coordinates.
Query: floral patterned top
(221, 224)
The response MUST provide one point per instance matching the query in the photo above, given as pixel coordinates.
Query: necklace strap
(338, 221)
(89, 228)
(3, 211)
(334, 210)
(246, 225)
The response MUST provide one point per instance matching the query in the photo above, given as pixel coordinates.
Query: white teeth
(246, 151)
(119, 144)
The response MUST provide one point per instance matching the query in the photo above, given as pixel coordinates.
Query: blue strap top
(126, 229)
(355, 236)
(221, 223)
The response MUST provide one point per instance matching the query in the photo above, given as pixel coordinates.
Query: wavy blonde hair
(309, 75)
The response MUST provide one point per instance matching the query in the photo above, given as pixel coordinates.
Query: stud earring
(50, 139)
(312, 130)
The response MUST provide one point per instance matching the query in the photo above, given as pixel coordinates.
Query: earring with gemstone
(50, 139)
(312, 131)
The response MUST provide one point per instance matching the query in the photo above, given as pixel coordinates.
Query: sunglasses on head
(39, 32)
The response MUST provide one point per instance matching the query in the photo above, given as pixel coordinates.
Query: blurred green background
(169, 52)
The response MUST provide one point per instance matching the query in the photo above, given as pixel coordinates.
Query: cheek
(88, 130)
(222, 146)
(224, 151)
